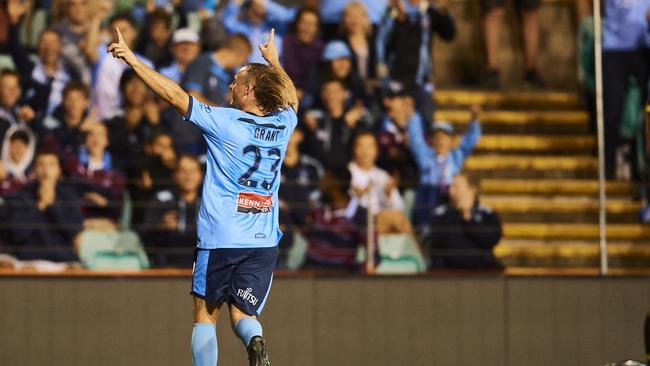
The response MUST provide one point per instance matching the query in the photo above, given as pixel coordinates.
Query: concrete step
(540, 100)
(516, 118)
(539, 253)
(523, 162)
(552, 187)
(537, 144)
(557, 231)
(519, 204)
(584, 217)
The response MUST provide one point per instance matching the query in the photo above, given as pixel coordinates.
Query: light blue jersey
(240, 190)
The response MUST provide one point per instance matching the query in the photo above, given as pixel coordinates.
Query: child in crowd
(337, 228)
(440, 162)
(17, 155)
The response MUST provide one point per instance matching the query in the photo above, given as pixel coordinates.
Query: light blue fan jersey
(240, 190)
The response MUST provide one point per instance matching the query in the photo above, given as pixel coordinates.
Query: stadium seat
(120, 250)
(399, 254)
(297, 252)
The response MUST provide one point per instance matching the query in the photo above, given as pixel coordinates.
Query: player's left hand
(269, 52)
(121, 50)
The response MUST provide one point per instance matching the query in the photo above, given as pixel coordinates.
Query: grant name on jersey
(266, 135)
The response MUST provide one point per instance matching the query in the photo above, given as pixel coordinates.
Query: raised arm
(270, 54)
(166, 89)
(417, 143)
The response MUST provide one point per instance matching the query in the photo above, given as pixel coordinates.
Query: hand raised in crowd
(96, 198)
(355, 113)
(311, 120)
(391, 184)
(465, 204)
(359, 192)
(475, 110)
(16, 9)
(26, 113)
(87, 123)
(121, 50)
(170, 220)
(46, 194)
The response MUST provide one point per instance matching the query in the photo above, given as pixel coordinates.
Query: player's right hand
(121, 50)
(269, 52)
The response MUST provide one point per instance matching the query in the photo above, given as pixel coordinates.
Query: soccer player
(238, 227)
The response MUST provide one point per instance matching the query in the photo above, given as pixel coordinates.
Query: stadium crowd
(86, 147)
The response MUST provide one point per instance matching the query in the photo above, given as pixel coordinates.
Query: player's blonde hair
(270, 87)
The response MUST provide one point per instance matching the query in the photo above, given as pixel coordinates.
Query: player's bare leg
(204, 333)
(249, 330)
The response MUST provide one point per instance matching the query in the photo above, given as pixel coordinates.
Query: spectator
(95, 176)
(404, 47)
(130, 130)
(155, 42)
(185, 48)
(45, 215)
(208, 77)
(329, 132)
(374, 190)
(372, 186)
(48, 75)
(169, 230)
(394, 153)
(357, 32)
(108, 70)
(153, 172)
(331, 12)
(463, 233)
(338, 65)
(64, 130)
(17, 156)
(254, 19)
(438, 164)
(493, 13)
(337, 228)
(302, 50)
(11, 113)
(626, 51)
(72, 29)
(301, 175)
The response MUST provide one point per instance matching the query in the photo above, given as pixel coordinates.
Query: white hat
(185, 35)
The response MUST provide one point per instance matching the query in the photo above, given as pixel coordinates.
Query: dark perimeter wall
(328, 321)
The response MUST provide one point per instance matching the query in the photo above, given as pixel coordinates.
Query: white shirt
(375, 198)
(106, 83)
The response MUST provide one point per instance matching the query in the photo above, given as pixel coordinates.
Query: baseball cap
(336, 49)
(396, 89)
(443, 126)
(185, 35)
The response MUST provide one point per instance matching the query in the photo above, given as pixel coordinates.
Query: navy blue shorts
(241, 277)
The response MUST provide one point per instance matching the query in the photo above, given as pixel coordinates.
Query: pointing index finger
(119, 35)
(271, 37)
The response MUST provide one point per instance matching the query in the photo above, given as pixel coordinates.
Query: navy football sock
(204, 344)
(247, 328)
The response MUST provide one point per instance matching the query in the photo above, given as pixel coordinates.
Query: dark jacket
(170, 248)
(47, 234)
(400, 44)
(454, 243)
(331, 140)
